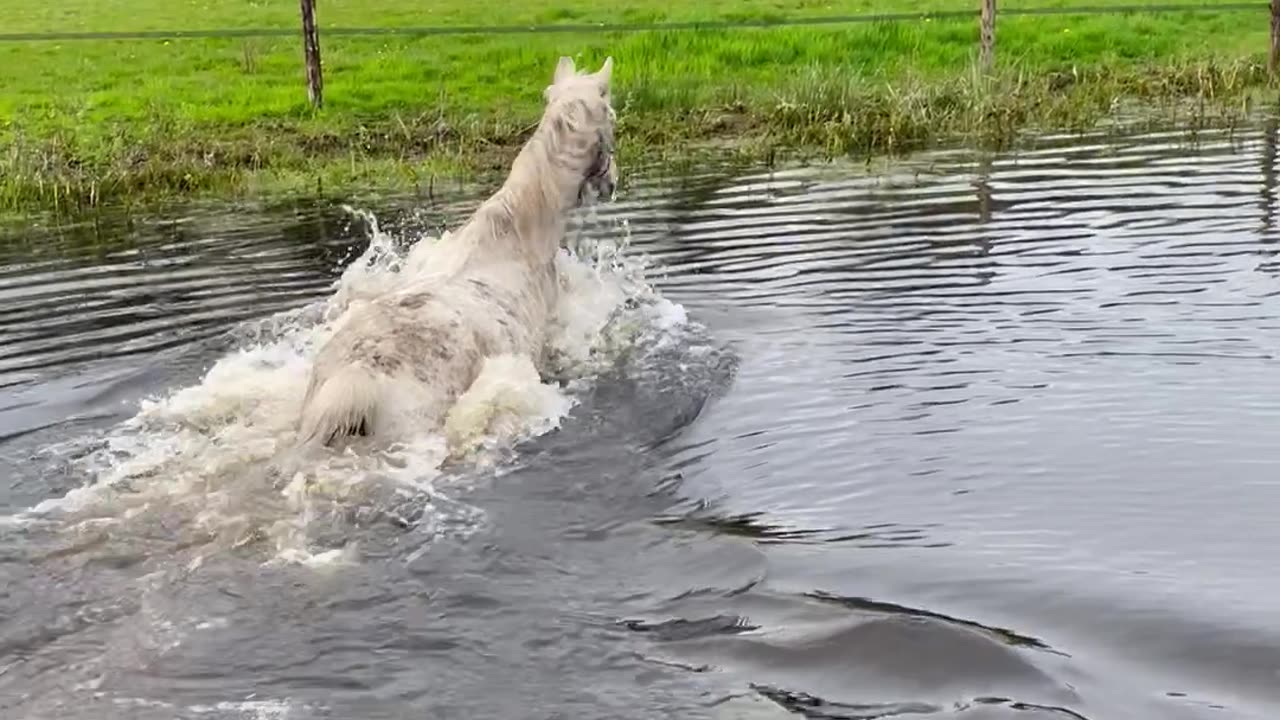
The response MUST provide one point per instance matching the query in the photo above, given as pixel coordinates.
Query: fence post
(1273, 60)
(987, 53)
(311, 50)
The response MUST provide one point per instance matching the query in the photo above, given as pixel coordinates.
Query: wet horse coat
(486, 291)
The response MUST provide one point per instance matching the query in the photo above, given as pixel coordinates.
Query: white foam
(207, 452)
(254, 709)
(248, 709)
(508, 402)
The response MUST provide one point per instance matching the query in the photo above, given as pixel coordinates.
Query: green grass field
(88, 121)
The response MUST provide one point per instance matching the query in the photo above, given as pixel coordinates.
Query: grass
(83, 122)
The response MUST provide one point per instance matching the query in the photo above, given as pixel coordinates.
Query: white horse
(481, 294)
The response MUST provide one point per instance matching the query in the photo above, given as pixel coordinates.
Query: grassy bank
(91, 121)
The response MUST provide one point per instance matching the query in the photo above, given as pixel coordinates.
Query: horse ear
(564, 69)
(605, 74)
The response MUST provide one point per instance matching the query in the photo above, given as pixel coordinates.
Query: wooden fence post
(311, 50)
(987, 54)
(1273, 60)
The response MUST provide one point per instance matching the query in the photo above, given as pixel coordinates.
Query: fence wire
(610, 28)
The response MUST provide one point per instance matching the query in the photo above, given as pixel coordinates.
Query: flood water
(969, 437)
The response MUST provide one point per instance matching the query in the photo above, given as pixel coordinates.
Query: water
(970, 437)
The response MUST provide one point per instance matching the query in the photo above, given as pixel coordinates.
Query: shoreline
(282, 159)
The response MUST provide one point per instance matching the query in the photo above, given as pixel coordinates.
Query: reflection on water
(974, 437)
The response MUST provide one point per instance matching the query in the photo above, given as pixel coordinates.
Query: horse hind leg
(506, 394)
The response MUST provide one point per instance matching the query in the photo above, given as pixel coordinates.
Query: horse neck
(537, 197)
(547, 165)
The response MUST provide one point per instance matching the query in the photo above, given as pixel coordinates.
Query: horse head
(580, 121)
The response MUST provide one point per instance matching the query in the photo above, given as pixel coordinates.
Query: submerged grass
(88, 122)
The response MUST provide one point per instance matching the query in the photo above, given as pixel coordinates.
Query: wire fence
(985, 13)
(610, 28)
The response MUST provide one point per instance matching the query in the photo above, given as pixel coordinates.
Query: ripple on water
(997, 446)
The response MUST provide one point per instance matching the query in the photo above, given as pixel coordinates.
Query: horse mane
(577, 112)
(577, 117)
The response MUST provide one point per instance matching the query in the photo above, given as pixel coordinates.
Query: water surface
(972, 437)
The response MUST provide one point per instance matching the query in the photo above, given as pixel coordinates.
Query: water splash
(213, 459)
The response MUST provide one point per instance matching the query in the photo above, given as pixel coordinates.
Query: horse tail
(344, 403)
